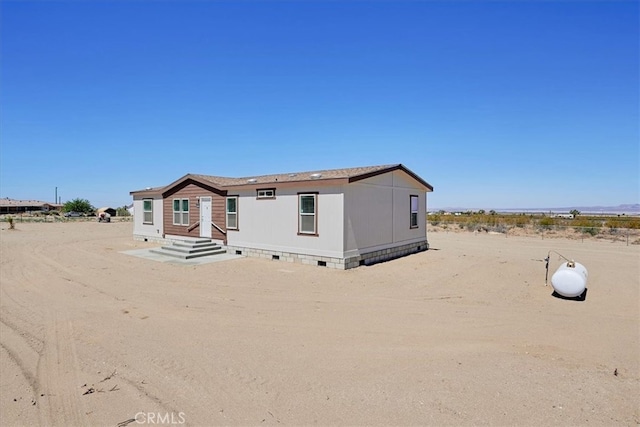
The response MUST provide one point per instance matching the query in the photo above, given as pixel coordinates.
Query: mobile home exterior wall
(192, 194)
(148, 230)
(378, 216)
(271, 225)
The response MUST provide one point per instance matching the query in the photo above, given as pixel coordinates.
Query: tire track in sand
(58, 376)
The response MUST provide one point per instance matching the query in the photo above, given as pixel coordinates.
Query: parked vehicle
(104, 217)
(72, 214)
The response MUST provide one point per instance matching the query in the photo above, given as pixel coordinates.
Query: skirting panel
(153, 239)
(339, 263)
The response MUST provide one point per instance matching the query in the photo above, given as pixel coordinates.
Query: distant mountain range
(629, 209)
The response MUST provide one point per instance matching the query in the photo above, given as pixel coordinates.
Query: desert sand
(466, 333)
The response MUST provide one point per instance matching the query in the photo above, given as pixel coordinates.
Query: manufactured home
(11, 206)
(339, 218)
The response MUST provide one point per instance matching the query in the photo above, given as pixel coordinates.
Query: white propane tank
(570, 279)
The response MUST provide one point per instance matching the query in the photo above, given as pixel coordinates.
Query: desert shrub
(490, 220)
(613, 223)
(587, 226)
(500, 229)
(586, 222)
(546, 223)
(633, 223)
(519, 221)
(622, 222)
(593, 231)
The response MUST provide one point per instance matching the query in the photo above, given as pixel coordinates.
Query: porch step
(200, 245)
(192, 248)
(193, 240)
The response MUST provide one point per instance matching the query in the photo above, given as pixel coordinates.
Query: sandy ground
(463, 334)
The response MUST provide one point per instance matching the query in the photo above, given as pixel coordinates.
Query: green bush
(78, 205)
(123, 211)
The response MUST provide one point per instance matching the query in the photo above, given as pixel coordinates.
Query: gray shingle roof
(294, 176)
(349, 174)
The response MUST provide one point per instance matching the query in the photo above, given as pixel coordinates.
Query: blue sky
(497, 104)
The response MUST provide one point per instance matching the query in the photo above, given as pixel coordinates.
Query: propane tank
(570, 279)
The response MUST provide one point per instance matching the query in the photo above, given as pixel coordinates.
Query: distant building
(8, 206)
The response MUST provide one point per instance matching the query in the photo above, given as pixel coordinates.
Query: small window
(307, 218)
(414, 211)
(268, 193)
(232, 213)
(147, 211)
(180, 211)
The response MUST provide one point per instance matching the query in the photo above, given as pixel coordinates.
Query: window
(232, 213)
(180, 211)
(147, 211)
(307, 218)
(267, 193)
(413, 222)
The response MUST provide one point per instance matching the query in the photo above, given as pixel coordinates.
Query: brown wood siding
(218, 213)
(193, 192)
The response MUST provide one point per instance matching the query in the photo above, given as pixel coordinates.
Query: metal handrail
(219, 229)
(197, 223)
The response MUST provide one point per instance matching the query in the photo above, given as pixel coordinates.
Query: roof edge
(191, 179)
(392, 168)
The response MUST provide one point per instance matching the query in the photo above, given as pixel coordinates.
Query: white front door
(205, 217)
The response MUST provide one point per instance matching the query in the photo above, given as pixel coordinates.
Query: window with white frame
(232, 213)
(266, 193)
(147, 211)
(413, 201)
(307, 217)
(180, 211)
